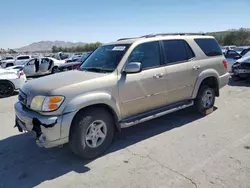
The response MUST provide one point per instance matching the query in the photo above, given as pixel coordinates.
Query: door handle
(158, 76)
(196, 67)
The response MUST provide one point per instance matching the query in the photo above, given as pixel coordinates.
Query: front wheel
(205, 98)
(91, 133)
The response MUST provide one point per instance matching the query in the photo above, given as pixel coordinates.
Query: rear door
(146, 90)
(181, 69)
(44, 65)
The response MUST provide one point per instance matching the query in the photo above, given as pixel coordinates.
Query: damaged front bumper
(241, 69)
(47, 129)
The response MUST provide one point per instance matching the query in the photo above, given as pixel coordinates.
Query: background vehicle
(119, 85)
(231, 56)
(39, 66)
(10, 80)
(7, 61)
(22, 58)
(242, 67)
(73, 58)
(74, 65)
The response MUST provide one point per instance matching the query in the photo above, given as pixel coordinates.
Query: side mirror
(133, 67)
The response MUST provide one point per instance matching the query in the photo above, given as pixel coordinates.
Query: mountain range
(44, 46)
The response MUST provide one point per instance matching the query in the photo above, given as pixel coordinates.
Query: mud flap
(208, 111)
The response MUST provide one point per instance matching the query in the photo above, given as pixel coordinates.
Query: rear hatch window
(209, 46)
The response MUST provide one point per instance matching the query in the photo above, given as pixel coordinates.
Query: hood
(244, 60)
(44, 85)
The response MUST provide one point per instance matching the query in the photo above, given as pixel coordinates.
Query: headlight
(46, 104)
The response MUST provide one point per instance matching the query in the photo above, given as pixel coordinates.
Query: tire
(55, 70)
(80, 131)
(199, 104)
(6, 88)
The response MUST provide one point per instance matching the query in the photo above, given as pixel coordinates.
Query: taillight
(225, 64)
(21, 73)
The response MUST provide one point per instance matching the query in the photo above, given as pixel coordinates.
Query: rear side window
(177, 51)
(209, 46)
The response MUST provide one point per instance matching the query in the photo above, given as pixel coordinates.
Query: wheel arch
(209, 77)
(102, 100)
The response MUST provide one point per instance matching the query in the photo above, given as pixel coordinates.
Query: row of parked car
(13, 71)
(239, 60)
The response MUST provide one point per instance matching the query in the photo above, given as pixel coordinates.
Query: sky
(26, 21)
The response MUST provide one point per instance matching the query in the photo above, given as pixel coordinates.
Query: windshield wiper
(96, 69)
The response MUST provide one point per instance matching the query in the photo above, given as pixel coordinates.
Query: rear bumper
(18, 83)
(224, 79)
(48, 129)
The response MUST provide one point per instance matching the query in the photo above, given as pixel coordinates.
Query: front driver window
(31, 62)
(148, 54)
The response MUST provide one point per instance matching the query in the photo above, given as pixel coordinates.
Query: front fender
(203, 75)
(89, 99)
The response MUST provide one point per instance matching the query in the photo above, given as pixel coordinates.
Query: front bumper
(48, 129)
(224, 79)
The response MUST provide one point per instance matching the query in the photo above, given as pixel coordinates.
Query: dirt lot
(178, 150)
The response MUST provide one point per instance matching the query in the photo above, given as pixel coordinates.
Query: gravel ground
(182, 149)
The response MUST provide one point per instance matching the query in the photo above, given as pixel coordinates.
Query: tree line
(85, 48)
(238, 37)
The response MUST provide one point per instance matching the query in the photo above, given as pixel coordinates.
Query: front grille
(22, 97)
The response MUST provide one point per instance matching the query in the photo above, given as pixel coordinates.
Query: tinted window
(23, 57)
(8, 58)
(190, 53)
(177, 51)
(148, 54)
(209, 46)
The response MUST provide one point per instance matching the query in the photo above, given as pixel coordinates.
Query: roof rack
(169, 34)
(162, 34)
(127, 38)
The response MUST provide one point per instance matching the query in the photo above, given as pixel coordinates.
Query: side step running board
(155, 113)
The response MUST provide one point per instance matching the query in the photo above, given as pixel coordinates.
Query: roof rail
(167, 34)
(161, 34)
(127, 38)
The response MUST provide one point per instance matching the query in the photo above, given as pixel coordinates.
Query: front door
(181, 70)
(30, 68)
(146, 90)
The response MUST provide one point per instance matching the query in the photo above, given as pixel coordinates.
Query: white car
(39, 66)
(7, 61)
(11, 80)
(10, 61)
(22, 58)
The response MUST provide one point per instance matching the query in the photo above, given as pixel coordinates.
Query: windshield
(84, 57)
(105, 58)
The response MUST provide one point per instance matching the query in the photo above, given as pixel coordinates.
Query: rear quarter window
(209, 46)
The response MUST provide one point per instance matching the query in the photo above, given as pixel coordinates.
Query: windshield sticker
(119, 48)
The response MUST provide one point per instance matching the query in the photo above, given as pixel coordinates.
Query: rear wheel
(205, 98)
(91, 133)
(6, 88)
